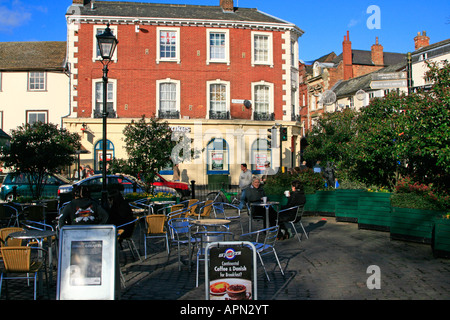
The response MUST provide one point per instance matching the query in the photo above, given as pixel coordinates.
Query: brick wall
(137, 71)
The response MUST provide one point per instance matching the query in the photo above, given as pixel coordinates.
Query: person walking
(245, 181)
(176, 172)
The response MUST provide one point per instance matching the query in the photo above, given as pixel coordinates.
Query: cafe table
(267, 206)
(39, 236)
(211, 222)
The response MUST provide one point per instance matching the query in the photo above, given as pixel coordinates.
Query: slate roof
(364, 57)
(45, 55)
(351, 86)
(172, 11)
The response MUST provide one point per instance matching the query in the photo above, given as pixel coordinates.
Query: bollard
(193, 189)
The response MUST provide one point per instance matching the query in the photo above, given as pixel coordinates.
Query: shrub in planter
(414, 209)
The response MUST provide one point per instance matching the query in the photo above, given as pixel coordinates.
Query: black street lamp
(107, 43)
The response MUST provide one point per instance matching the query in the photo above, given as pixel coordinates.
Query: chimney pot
(227, 5)
(421, 40)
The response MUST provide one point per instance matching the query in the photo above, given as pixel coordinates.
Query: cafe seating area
(181, 230)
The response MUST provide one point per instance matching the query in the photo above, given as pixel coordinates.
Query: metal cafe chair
(228, 211)
(205, 209)
(203, 238)
(155, 228)
(9, 214)
(264, 241)
(18, 260)
(180, 234)
(297, 219)
(129, 238)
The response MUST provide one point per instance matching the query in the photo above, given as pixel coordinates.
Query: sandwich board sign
(88, 263)
(230, 271)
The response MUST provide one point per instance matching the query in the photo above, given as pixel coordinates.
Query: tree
(149, 146)
(39, 149)
(329, 138)
(426, 136)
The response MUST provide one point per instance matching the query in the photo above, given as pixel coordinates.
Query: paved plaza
(335, 263)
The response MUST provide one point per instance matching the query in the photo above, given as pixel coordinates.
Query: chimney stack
(421, 40)
(347, 57)
(377, 54)
(227, 5)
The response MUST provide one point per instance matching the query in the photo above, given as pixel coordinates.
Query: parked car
(20, 180)
(125, 183)
(181, 187)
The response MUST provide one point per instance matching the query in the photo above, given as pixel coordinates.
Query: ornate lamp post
(107, 43)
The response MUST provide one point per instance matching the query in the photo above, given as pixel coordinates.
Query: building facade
(34, 85)
(222, 75)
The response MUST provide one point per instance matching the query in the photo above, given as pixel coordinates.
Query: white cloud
(12, 18)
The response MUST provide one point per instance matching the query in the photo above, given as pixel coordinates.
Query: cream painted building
(34, 85)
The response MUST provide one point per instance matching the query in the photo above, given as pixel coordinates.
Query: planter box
(325, 202)
(374, 211)
(310, 205)
(346, 204)
(441, 238)
(412, 224)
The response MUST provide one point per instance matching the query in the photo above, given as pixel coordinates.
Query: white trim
(227, 84)
(227, 46)
(271, 96)
(269, 36)
(114, 30)
(100, 80)
(178, 86)
(177, 59)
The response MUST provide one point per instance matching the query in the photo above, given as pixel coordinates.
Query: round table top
(268, 203)
(211, 222)
(31, 234)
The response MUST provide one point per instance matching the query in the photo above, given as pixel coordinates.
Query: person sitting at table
(296, 198)
(120, 213)
(83, 210)
(254, 194)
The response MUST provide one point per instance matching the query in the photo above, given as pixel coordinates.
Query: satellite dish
(328, 97)
(360, 95)
(247, 104)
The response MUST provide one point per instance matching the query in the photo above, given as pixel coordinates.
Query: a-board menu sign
(230, 271)
(87, 264)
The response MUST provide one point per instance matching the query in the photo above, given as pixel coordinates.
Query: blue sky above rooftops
(325, 23)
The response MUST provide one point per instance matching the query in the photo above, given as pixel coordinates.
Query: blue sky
(325, 22)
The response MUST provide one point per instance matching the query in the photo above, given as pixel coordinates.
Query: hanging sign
(230, 271)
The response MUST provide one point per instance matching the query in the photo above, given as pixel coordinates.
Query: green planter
(325, 202)
(374, 211)
(441, 238)
(412, 224)
(346, 204)
(310, 205)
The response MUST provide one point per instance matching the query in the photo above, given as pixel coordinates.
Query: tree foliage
(39, 149)
(149, 145)
(393, 137)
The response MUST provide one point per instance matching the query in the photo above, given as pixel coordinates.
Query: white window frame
(96, 28)
(269, 60)
(1, 82)
(94, 100)
(44, 75)
(226, 58)
(38, 112)
(271, 98)
(208, 98)
(158, 94)
(177, 58)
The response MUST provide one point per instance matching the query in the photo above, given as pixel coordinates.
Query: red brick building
(193, 66)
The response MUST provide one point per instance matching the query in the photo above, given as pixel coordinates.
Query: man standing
(245, 180)
(268, 172)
